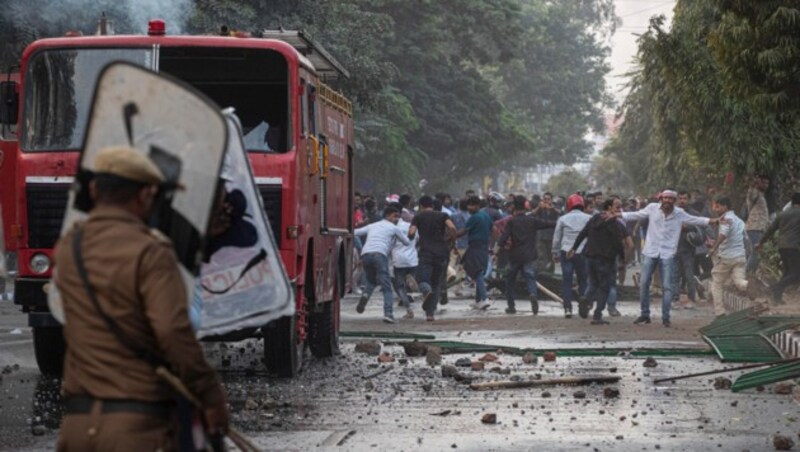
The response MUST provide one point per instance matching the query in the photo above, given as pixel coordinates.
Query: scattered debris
(784, 388)
(500, 370)
(379, 372)
(489, 358)
(611, 393)
(478, 365)
(549, 356)
(489, 418)
(415, 348)
(461, 378)
(546, 394)
(427, 387)
(442, 413)
(433, 356)
(529, 358)
(579, 394)
(650, 362)
(449, 371)
(369, 348)
(385, 357)
(463, 362)
(489, 385)
(722, 383)
(782, 442)
(250, 405)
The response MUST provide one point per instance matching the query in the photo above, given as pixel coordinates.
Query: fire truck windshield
(59, 85)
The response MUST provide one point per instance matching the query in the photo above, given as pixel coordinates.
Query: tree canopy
(715, 93)
(443, 89)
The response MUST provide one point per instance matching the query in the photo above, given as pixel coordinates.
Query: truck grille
(271, 194)
(46, 206)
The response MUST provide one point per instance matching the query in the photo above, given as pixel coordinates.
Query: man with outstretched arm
(665, 222)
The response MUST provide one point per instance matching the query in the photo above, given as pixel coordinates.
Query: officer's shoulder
(159, 236)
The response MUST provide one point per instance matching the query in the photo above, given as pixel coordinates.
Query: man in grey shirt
(728, 253)
(381, 237)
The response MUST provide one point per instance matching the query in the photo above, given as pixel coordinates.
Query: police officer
(125, 309)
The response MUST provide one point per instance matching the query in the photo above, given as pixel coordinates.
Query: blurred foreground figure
(126, 314)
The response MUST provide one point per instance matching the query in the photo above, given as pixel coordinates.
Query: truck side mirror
(9, 103)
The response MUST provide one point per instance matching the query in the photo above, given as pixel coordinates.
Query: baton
(242, 442)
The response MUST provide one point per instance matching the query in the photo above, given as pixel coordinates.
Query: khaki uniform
(137, 281)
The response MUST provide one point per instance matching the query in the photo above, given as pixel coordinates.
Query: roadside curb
(788, 342)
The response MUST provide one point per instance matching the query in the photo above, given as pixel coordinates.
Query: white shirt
(663, 232)
(733, 246)
(567, 229)
(381, 237)
(405, 256)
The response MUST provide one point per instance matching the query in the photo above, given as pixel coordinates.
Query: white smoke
(125, 15)
(174, 12)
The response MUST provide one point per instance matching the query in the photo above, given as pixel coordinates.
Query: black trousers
(790, 261)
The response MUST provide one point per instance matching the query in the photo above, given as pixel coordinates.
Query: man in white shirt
(404, 261)
(665, 222)
(567, 229)
(729, 255)
(381, 237)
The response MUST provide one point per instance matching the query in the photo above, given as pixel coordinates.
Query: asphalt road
(346, 403)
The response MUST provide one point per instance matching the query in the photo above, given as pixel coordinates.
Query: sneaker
(568, 312)
(583, 307)
(409, 314)
(600, 322)
(687, 304)
(388, 319)
(641, 319)
(511, 310)
(666, 323)
(483, 304)
(534, 305)
(443, 300)
(429, 317)
(613, 312)
(362, 303)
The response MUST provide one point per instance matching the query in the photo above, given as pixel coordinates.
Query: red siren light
(156, 27)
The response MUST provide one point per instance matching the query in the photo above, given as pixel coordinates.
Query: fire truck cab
(299, 136)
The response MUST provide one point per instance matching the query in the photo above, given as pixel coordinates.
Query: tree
(566, 182)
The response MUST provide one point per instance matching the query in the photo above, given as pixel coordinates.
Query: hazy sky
(635, 15)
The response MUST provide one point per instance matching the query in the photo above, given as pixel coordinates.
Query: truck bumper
(29, 293)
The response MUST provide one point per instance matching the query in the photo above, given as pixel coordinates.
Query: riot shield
(180, 129)
(242, 282)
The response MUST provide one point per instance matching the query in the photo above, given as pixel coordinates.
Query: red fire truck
(298, 132)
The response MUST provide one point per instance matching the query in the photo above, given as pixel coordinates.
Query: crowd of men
(680, 239)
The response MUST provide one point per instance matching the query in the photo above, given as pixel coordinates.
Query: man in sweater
(606, 236)
(521, 230)
(436, 233)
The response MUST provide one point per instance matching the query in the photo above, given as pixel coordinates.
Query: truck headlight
(40, 263)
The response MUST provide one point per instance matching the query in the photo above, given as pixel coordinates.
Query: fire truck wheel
(283, 355)
(324, 336)
(49, 347)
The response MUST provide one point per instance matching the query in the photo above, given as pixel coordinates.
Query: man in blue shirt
(476, 258)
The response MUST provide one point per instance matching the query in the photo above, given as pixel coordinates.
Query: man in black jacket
(606, 236)
(521, 230)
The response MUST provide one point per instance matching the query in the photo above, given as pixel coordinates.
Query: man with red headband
(665, 222)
